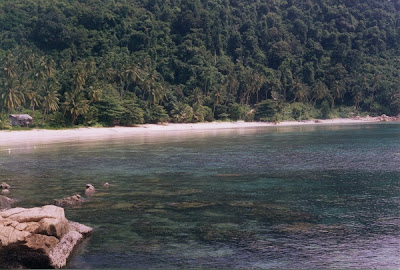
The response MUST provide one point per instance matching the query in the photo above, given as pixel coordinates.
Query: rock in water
(69, 201)
(4, 185)
(90, 190)
(5, 191)
(37, 237)
(5, 202)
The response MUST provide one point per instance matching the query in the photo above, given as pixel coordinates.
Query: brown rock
(69, 201)
(4, 185)
(90, 190)
(37, 237)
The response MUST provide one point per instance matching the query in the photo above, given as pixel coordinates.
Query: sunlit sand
(49, 136)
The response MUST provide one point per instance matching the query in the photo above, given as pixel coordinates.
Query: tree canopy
(146, 61)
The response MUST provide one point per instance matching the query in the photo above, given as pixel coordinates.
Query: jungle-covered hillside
(106, 62)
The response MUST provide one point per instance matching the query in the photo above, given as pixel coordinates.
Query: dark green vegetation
(126, 62)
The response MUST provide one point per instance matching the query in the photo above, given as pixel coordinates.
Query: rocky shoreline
(39, 237)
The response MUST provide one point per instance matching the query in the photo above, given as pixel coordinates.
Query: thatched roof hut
(23, 120)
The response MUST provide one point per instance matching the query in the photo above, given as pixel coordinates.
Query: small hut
(22, 120)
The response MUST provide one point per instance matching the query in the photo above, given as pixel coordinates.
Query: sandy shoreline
(90, 134)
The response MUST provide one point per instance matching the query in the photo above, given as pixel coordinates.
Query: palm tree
(182, 112)
(358, 97)
(198, 96)
(68, 99)
(157, 94)
(301, 92)
(95, 94)
(34, 99)
(46, 68)
(256, 82)
(128, 75)
(12, 96)
(338, 91)
(80, 80)
(320, 92)
(50, 99)
(199, 112)
(9, 67)
(153, 88)
(217, 95)
(79, 106)
(232, 84)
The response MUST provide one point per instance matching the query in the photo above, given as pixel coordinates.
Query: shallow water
(300, 197)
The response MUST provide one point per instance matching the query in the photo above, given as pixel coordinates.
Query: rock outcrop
(69, 201)
(38, 237)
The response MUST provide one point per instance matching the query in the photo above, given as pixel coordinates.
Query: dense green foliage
(135, 61)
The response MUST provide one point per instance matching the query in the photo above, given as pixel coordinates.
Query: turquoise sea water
(300, 197)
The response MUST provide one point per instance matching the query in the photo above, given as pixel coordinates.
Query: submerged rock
(69, 201)
(310, 229)
(207, 233)
(5, 202)
(121, 206)
(229, 175)
(38, 237)
(190, 205)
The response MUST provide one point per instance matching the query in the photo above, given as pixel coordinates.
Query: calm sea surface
(301, 197)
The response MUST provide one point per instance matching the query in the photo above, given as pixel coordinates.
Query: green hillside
(126, 62)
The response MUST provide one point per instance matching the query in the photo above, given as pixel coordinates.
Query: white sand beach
(90, 134)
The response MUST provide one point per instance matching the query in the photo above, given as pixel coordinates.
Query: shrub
(156, 114)
(299, 111)
(182, 113)
(202, 113)
(267, 110)
(238, 112)
(4, 121)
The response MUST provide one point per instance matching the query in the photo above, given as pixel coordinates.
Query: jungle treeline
(126, 62)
